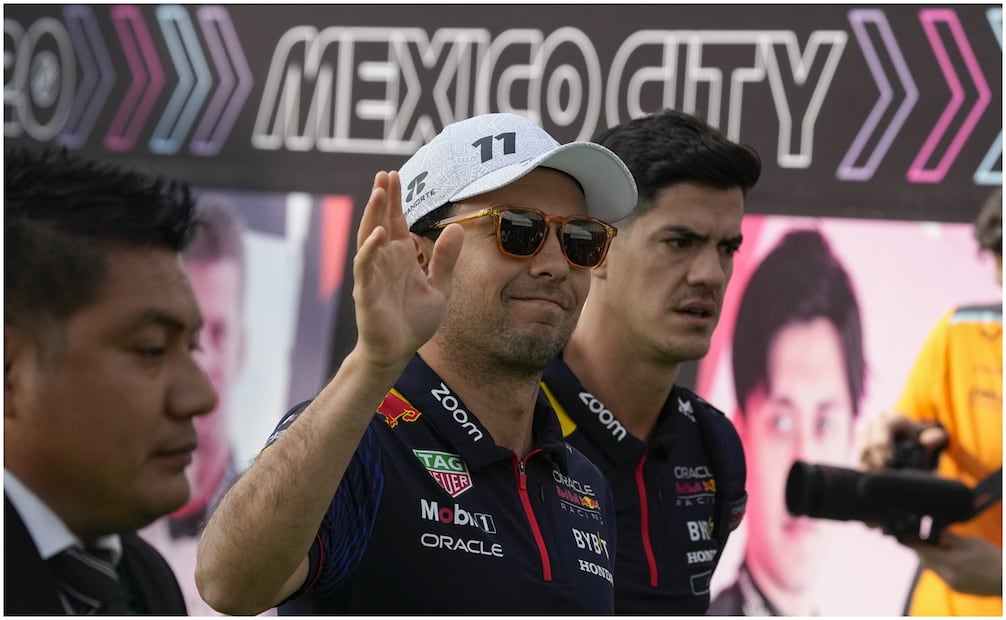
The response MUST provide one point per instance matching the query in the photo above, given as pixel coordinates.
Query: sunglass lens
(521, 232)
(584, 242)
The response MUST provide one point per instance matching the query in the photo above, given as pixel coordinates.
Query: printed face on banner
(804, 413)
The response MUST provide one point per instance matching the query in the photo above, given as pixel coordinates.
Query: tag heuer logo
(447, 469)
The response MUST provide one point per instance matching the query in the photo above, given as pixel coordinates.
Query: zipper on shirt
(520, 470)
(644, 511)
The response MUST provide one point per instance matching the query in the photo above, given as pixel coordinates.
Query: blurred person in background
(952, 403)
(799, 372)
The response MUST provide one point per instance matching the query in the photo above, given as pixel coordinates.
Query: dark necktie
(89, 582)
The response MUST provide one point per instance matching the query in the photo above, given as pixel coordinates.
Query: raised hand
(399, 304)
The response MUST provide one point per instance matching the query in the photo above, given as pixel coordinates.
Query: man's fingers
(898, 424)
(375, 212)
(364, 261)
(878, 438)
(933, 438)
(396, 219)
(875, 443)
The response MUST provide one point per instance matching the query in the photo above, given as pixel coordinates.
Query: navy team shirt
(433, 517)
(665, 491)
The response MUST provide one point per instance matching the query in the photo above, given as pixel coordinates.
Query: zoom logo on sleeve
(453, 407)
(604, 416)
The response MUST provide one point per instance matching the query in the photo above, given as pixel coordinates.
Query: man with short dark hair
(429, 476)
(100, 384)
(653, 306)
(953, 401)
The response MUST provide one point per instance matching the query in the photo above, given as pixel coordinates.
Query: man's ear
(424, 251)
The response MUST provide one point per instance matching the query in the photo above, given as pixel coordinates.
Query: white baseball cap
(487, 152)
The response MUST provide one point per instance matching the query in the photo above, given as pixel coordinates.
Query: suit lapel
(29, 588)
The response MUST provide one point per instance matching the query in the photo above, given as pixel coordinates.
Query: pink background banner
(905, 276)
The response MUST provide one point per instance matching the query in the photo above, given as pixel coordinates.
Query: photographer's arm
(967, 564)
(253, 552)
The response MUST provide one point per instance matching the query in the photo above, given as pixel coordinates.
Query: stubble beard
(688, 345)
(501, 345)
(531, 353)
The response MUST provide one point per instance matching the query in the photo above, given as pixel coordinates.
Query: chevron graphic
(986, 174)
(848, 170)
(229, 60)
(148, 78)
(918, 173)
(194, 80)
(98, 75)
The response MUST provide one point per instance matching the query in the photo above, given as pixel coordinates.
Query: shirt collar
(600, 426)
(426, 391)
(49, 533)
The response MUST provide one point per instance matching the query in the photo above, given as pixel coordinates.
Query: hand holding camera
(892, 441)
(897, 491)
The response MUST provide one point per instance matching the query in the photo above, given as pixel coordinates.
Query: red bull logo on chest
(394, 408)
(448, 470)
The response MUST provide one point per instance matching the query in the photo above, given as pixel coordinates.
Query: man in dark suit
(100, 384)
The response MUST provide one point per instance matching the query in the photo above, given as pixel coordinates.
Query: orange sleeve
(925, 392)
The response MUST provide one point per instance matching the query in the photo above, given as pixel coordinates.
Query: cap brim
(607, 184)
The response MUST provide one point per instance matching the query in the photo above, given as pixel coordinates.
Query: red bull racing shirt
(665, 493)
(433, 517)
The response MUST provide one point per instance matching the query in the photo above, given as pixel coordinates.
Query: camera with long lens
(907, 501)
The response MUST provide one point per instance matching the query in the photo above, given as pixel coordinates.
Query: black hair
(62, 213)
(800, 280)
(988, 229)
(670, 147)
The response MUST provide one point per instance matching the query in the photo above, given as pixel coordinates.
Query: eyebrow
(171, 322)
(826, 404)
(689, 233)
